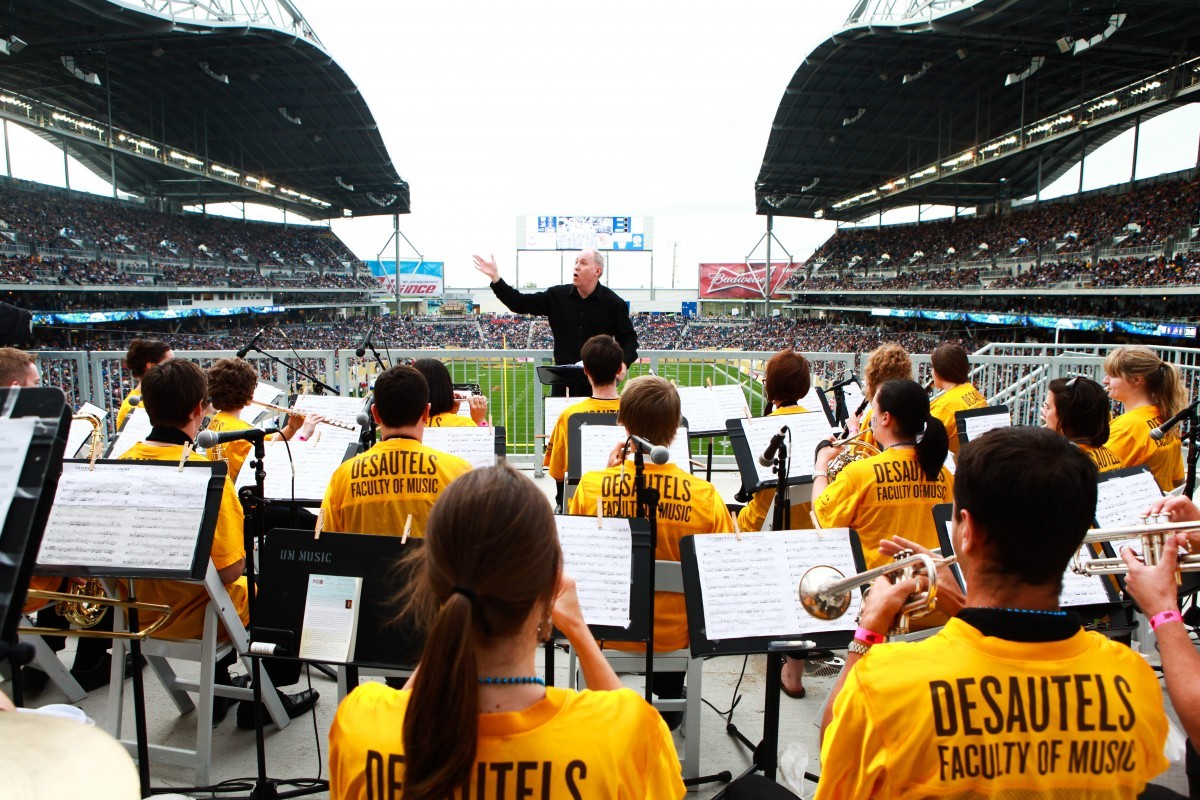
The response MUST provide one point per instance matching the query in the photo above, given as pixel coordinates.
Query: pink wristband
(871, 637)
(1163, 618)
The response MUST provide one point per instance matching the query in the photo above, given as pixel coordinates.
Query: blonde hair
(1162, 380)
(887, 362)
(650, 408)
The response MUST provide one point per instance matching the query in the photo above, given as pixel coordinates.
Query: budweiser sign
(743, 281)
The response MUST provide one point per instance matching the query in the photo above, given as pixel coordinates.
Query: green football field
(512, 389)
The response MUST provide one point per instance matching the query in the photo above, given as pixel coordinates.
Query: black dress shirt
(574, 319)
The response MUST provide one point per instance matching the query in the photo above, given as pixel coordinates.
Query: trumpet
(95, 439)
(85, 605)
(825, 592)
(1153, 532)
(336, 423)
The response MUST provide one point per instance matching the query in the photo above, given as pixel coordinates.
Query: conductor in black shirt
(576, 311)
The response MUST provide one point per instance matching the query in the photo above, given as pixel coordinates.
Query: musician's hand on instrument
(311, 421)
(617, 456)
(826, 455)
(1154, 588)
(479, 408)
(76, 583)
(295, 422)
(1177, 507)
(885, 601)
(567, 614)
(950, 598)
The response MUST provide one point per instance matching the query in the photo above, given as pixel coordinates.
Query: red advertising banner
(743, 281)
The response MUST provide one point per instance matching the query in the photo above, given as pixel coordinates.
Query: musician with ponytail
(488, 585)
(1151, 391)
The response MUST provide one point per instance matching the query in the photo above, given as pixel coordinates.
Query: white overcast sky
(492, 110)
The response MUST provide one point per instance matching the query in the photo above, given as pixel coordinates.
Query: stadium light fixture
(1064, 44)
(216, 76)
(9, 100)
(72, 68)
(349, 187)
(855, 118)
(910, 77)
(961, 53)
(157, 51)
(1114, 24)
(1035, 64)
(283, 112)
(12, 45)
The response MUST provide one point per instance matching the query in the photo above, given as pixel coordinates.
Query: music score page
(600, 559)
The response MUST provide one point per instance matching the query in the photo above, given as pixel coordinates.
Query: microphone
(768, 456)
(242, 353)
(362, 348)
(658, 453)
(135, 400)
(210, 438)
(1158, 433)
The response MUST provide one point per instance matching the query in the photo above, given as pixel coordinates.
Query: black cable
(737, 698)
(313, 712)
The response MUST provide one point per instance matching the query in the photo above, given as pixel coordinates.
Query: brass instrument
(337, 423)
(856, 450)
(84, 606)
(1153, 533)
(95, 440)
(825, 593)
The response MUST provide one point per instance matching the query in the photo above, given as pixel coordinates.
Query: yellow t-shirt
(449, 419)
(687, 505)
(187, 600)
(566, 746)
(1129, 439)
(232, 453)
(375, 491)
(959, 398)
(1106, 460)
(963, 715)
(42, 583)
(556, 447)
(126, 408)
(754, 514)
(884, 495)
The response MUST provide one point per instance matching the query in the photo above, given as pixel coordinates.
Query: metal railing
(1016, 375)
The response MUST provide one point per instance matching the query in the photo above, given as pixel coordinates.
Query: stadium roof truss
(969, 102)
(198, 102)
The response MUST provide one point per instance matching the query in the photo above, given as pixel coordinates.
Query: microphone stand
(1193, 439)
(370, 345)
(646, 498)
(319, 385)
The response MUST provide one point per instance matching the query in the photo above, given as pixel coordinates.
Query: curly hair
(231, 383)
(887, 362)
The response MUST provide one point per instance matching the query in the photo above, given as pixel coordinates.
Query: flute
(337, 423)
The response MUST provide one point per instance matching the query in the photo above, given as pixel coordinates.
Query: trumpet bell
(818, 602)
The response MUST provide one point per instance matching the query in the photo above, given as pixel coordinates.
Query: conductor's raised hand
(487, 267)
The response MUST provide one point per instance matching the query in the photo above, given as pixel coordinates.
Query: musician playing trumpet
(231, 384)
(1012, 698)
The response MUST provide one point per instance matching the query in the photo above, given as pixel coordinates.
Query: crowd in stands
(1182, 270)
(1147, 216)
(1156, 309)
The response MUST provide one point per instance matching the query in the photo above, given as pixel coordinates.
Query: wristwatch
(858, 647)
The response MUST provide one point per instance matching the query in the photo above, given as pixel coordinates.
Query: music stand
(25, 521)
(575, 425)
(565, 379)
(974, 422)
(464, 442)
(749, 438)
(742, 590)
(708, 409)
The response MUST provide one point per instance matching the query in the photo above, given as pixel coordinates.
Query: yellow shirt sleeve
(853, 760)
(835, 506)
(556, 452)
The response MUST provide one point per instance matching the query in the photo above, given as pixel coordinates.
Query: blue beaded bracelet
(531, 679)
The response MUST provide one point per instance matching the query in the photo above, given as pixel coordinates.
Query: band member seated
(376, 491)
(650, 408)
(443, 405)
(785, 380)
(884, 363)
(1012, 698)
(231, 384)
(604, 367)
(175, 396)
(951, 371)
(1078, 408)
(141, 356)
(475, 717)
(1151, 391)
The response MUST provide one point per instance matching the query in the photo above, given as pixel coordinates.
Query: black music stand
(747, 462)
(837, 413)
(575, 425)
(765, 753)
(565, 379)
(962, 419)
(21, 533)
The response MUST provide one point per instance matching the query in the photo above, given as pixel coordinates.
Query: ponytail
(1162, 381)
(908, 404)
(932, 447)
(442, 721)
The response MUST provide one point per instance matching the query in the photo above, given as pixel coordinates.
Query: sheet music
(751, 586)
(812, 402)
(131, 515)
(263, 393)
(16, 433)
(330, 624)
(315, 462)
(708, 408)
(554, 408)
(596, 442)
(80, 433)
(476, 446)
(344, 409)
(137, 427)
(600, 559)
(1120, 502)
(978, 425)
(806, 429)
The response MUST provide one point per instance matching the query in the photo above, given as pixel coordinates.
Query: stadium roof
(255, 91)
(907, 83)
